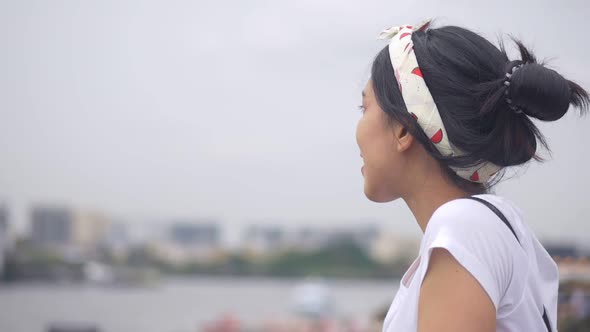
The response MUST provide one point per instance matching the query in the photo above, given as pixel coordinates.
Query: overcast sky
(243, 110)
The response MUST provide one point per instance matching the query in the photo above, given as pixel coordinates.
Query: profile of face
(383, 145)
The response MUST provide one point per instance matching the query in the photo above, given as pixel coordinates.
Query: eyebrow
(363, 94)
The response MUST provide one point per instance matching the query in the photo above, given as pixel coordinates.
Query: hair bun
(540, 92)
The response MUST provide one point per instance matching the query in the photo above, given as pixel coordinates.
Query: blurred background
(192, 165)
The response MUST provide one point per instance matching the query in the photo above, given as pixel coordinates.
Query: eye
(362, 108)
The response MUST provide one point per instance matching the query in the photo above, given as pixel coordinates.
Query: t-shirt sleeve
(477, 239)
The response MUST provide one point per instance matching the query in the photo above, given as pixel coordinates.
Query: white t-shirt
(520, 278)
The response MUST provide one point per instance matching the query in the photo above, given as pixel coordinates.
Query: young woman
(444, 113)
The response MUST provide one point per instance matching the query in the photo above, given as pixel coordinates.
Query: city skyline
(59, 217)
(83, 228)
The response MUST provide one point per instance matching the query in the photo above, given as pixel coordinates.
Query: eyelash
(362, 108)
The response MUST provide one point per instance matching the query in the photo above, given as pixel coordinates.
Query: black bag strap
(497, 212)
(505, 220)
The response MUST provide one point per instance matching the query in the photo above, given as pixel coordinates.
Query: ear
(403, 140)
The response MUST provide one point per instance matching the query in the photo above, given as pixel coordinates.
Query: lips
(362, 167)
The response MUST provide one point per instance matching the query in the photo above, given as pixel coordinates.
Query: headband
(419, 101)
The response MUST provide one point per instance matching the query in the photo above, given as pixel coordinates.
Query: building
(261, 240)
(67, 231)
(89, 230)
(389, 247)
(195, 235)
(117, 240)
(264, 241)
(4, 237)
(563, 250)
(51, 227)
(190, 242)
(308, 238)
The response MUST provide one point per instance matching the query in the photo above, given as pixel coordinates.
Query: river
(175, 305)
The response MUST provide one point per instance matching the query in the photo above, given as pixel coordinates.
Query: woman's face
(376, 138)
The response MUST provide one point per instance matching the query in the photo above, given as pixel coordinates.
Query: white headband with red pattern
(419, 101)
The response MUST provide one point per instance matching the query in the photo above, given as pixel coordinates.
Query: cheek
(379, 156)
(381, 172)
(373, 140)
(361, 133)
(368, 130)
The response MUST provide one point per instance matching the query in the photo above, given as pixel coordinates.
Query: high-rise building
(195, 235)
(264, 240)
(4, 237)
(315, 238)
(190, 242)
(65, 230)
(51, 226)
(117, 239)
(89, 230)
(268, 240)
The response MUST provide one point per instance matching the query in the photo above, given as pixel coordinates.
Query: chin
(379, 196)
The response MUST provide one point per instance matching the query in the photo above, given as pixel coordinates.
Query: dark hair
(465, 74)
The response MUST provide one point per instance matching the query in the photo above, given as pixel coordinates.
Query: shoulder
(469, 222)
(476, 238)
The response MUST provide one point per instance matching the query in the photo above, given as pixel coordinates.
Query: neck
(429, 197)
